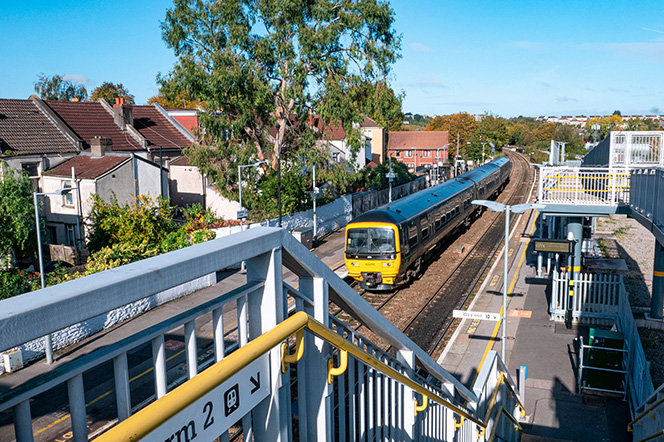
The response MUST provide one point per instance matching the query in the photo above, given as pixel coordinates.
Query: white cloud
(432, 81)
(79, 78)
(419, 47)
(566, 99)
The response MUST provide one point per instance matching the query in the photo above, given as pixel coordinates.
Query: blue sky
(507, 58)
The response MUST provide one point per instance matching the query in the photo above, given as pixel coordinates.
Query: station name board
(553, 246)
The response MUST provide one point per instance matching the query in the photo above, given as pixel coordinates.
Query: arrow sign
(486, 316)
(256, 382)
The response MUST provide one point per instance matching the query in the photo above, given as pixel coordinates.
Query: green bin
(600, 357)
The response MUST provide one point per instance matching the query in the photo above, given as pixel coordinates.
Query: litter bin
(305, 235)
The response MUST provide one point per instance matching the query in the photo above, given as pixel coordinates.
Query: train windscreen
(367, 241)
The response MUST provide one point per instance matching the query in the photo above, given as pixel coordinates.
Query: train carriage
(387, 246)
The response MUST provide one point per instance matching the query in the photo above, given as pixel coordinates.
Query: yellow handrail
(652, 436)
(287, 358)
(644, 412)
(333, 371)
(503, 412)
(154, 415)
(425, 403)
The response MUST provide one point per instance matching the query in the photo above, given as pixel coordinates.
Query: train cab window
(369, 241)
(466, 204)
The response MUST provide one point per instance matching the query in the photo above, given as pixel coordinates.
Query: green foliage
(110, 91)
(18, 235)
(56, 88)
(377, 179)
(143, 221)
(13, 282)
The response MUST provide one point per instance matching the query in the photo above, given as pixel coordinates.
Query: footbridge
(282, 368)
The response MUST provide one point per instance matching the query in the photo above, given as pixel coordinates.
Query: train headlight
(387, 264)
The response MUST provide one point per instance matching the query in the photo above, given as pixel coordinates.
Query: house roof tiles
(25, 129)
(87, 167)
(157, 129)
(417, 139)
(89, 120)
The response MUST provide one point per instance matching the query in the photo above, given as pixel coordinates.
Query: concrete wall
(149, 178)
(186, 185)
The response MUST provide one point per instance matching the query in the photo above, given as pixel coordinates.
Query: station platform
(549, 351)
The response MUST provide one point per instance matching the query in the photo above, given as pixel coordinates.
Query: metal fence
(566, 185)
(595, 298)
(377, 397)
(635, 149)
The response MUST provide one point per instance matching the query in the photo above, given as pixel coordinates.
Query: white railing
(361, 404)
(636, 149)
(595, 297)
(583, 185)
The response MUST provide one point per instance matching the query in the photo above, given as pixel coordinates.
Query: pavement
(554, 409)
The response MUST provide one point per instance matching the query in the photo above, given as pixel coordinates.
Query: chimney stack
(122, 115)
(100, 145)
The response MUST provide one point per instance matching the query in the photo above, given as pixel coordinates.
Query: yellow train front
(372, 254)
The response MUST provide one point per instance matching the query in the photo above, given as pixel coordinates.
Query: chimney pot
(117, 100)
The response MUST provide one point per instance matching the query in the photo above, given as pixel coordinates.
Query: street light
(242, 214)
(48, 343)
(518, 208)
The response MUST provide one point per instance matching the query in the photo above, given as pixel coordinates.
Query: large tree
(57, 88)
(461, 127)
(110, 91)
(262, 67)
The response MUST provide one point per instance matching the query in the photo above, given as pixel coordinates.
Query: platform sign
(485, 316)
(214, 413)
(241, 214)
(553, 246)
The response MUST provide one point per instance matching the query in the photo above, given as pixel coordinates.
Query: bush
(14, 282)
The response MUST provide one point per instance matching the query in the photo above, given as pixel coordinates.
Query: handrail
(652, 436)
(151, 417)
(501, 412)
(644, 412)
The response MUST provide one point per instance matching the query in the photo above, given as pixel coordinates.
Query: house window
(70, 230)
(409, 154)
(68, 198)
(427, 153)
(32, 169)
(51, 235)
(335, 157)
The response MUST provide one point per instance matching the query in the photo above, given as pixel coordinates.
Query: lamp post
(518, 208)
(242, 214)
(415, 158)
(595, 128)
(48, 343)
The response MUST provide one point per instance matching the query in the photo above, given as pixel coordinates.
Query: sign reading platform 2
(215, 412)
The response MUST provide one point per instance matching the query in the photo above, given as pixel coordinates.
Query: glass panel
(372, 240)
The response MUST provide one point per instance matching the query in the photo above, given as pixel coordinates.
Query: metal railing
(583, 185)
(595, 298)
(636, 149)
(374, 396)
